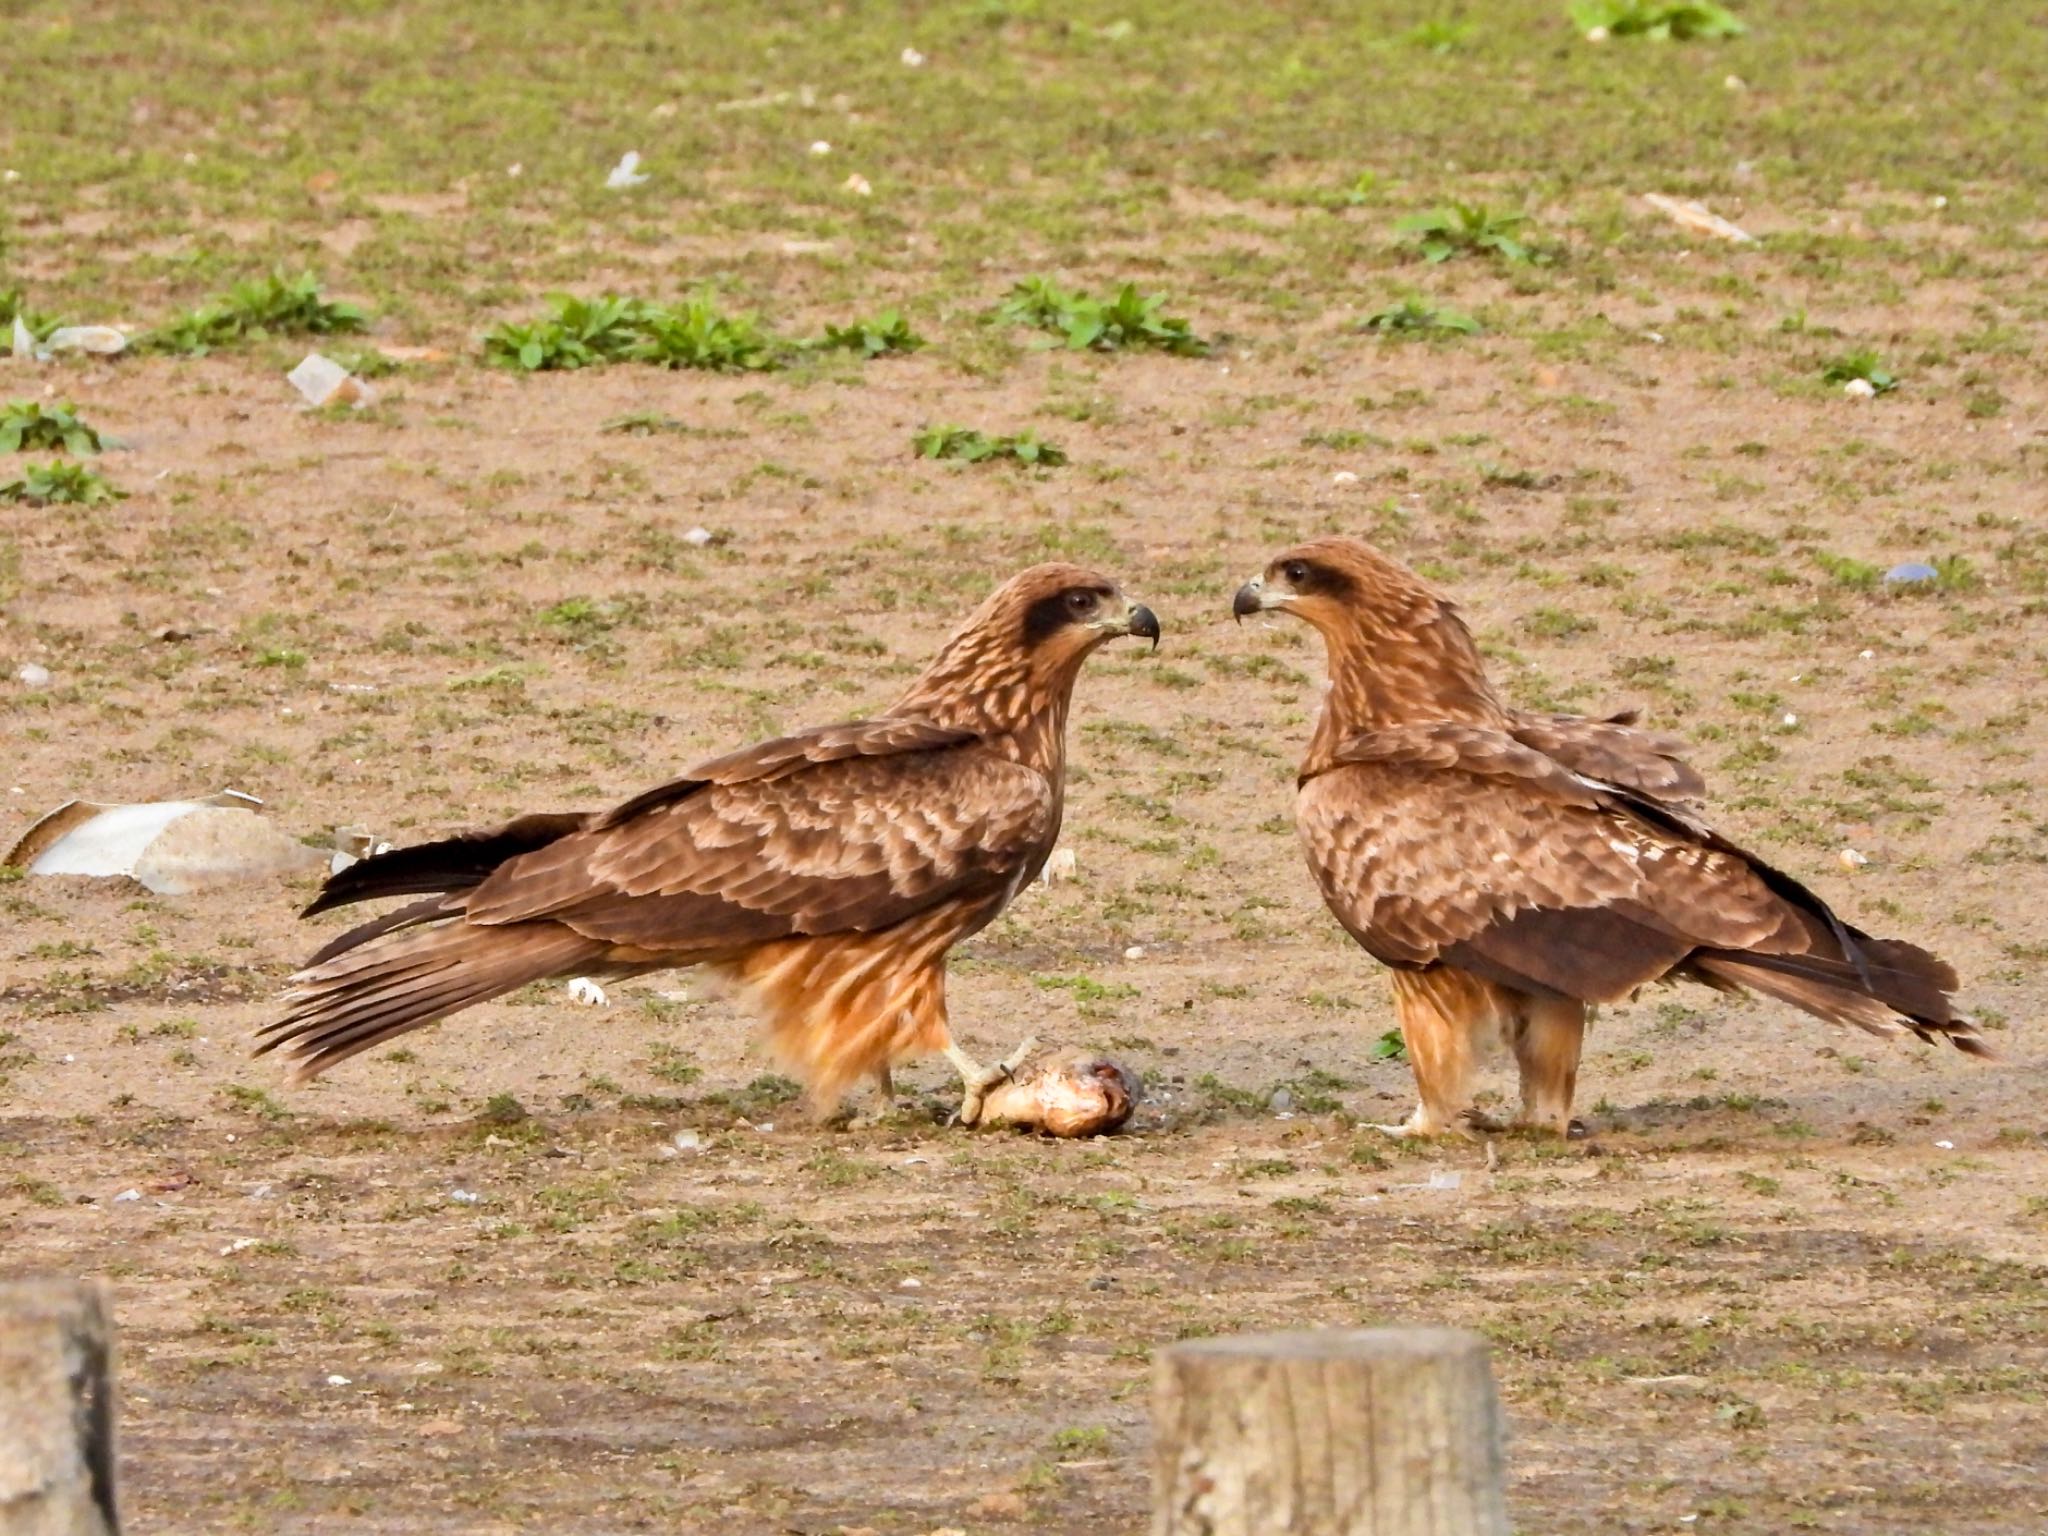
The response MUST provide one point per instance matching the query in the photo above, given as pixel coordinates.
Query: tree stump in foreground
(1376, 1432)
(56, 1410)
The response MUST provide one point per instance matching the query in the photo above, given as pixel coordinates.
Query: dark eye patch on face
(1311, 578)
(1050, 614)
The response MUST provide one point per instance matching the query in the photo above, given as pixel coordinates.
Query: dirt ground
(563, 1268)
(1795, 1279)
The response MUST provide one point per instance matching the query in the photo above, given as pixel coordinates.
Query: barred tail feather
(368, 992)
(1897, 988)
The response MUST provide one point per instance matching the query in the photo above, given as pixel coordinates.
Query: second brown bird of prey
(1512, 869)
(827, 873)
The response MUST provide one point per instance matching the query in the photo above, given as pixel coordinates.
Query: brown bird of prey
(826, 873)
(1512, 869)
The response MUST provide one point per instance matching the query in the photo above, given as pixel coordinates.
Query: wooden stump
(1378, 1432)
(56, 1410)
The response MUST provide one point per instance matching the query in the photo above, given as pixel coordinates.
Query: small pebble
(1851, 859)
(698, 536)
(858, 185)
(1859, 389)
(1946, 1146)
(688, 1141)
(912, 59)
(34, 676)
(1911, 574)
(1135, 952)
(464, 1196)
(820, 147)
(1344, 477)
(337, 1381)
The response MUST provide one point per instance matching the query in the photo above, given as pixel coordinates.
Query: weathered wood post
(1373, 1432)
(56, 1410)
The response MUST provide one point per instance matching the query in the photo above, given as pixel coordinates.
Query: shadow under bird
(826, 873)
(1512, 869)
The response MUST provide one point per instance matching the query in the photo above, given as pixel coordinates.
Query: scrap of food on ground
(416, 418)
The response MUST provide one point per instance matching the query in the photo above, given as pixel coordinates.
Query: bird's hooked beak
(1138, 620)
(1256, 596)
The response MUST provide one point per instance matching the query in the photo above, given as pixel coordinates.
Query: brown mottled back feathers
(1556, 855)
(896, 836)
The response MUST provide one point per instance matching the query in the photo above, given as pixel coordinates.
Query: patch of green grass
(878, 336)
(1416, 316)
(1439, 35)
(274, 305)
(1676, 20)
(27, 426)
(698, 334)
(1125, 321)
(1864, 365)
(1847, 571)
(576, 333)
(1390, 1046)
(1468, 229)
(50, 485)
(972, 446)
(585, 333)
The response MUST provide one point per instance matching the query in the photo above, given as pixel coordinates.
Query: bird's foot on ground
(976, 1080)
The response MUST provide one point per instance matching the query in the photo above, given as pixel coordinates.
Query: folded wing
(1459, 845)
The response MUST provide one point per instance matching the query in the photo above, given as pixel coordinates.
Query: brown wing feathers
(845, 829)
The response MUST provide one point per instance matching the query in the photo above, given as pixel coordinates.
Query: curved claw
(976, 1080)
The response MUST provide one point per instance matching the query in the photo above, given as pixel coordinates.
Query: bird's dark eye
(1296, 572)
(1081, 602)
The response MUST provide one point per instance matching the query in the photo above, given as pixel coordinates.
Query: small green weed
(29, 425)
(1416, 316)
(878, 337)
(971, 446)
(1468, 229)
(1126, 321)
(1676, 20)
(698, 334)
(275, 305)
(13, 307)
(584, 333)
(50, 485)
(1389, 1047)
(1848, 571)
(577, 333)
(1862, 365)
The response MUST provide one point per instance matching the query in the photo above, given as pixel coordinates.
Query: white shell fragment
(322, 381)
(626, 173)
(174, 847)
(100, 340)
(1698, 218)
